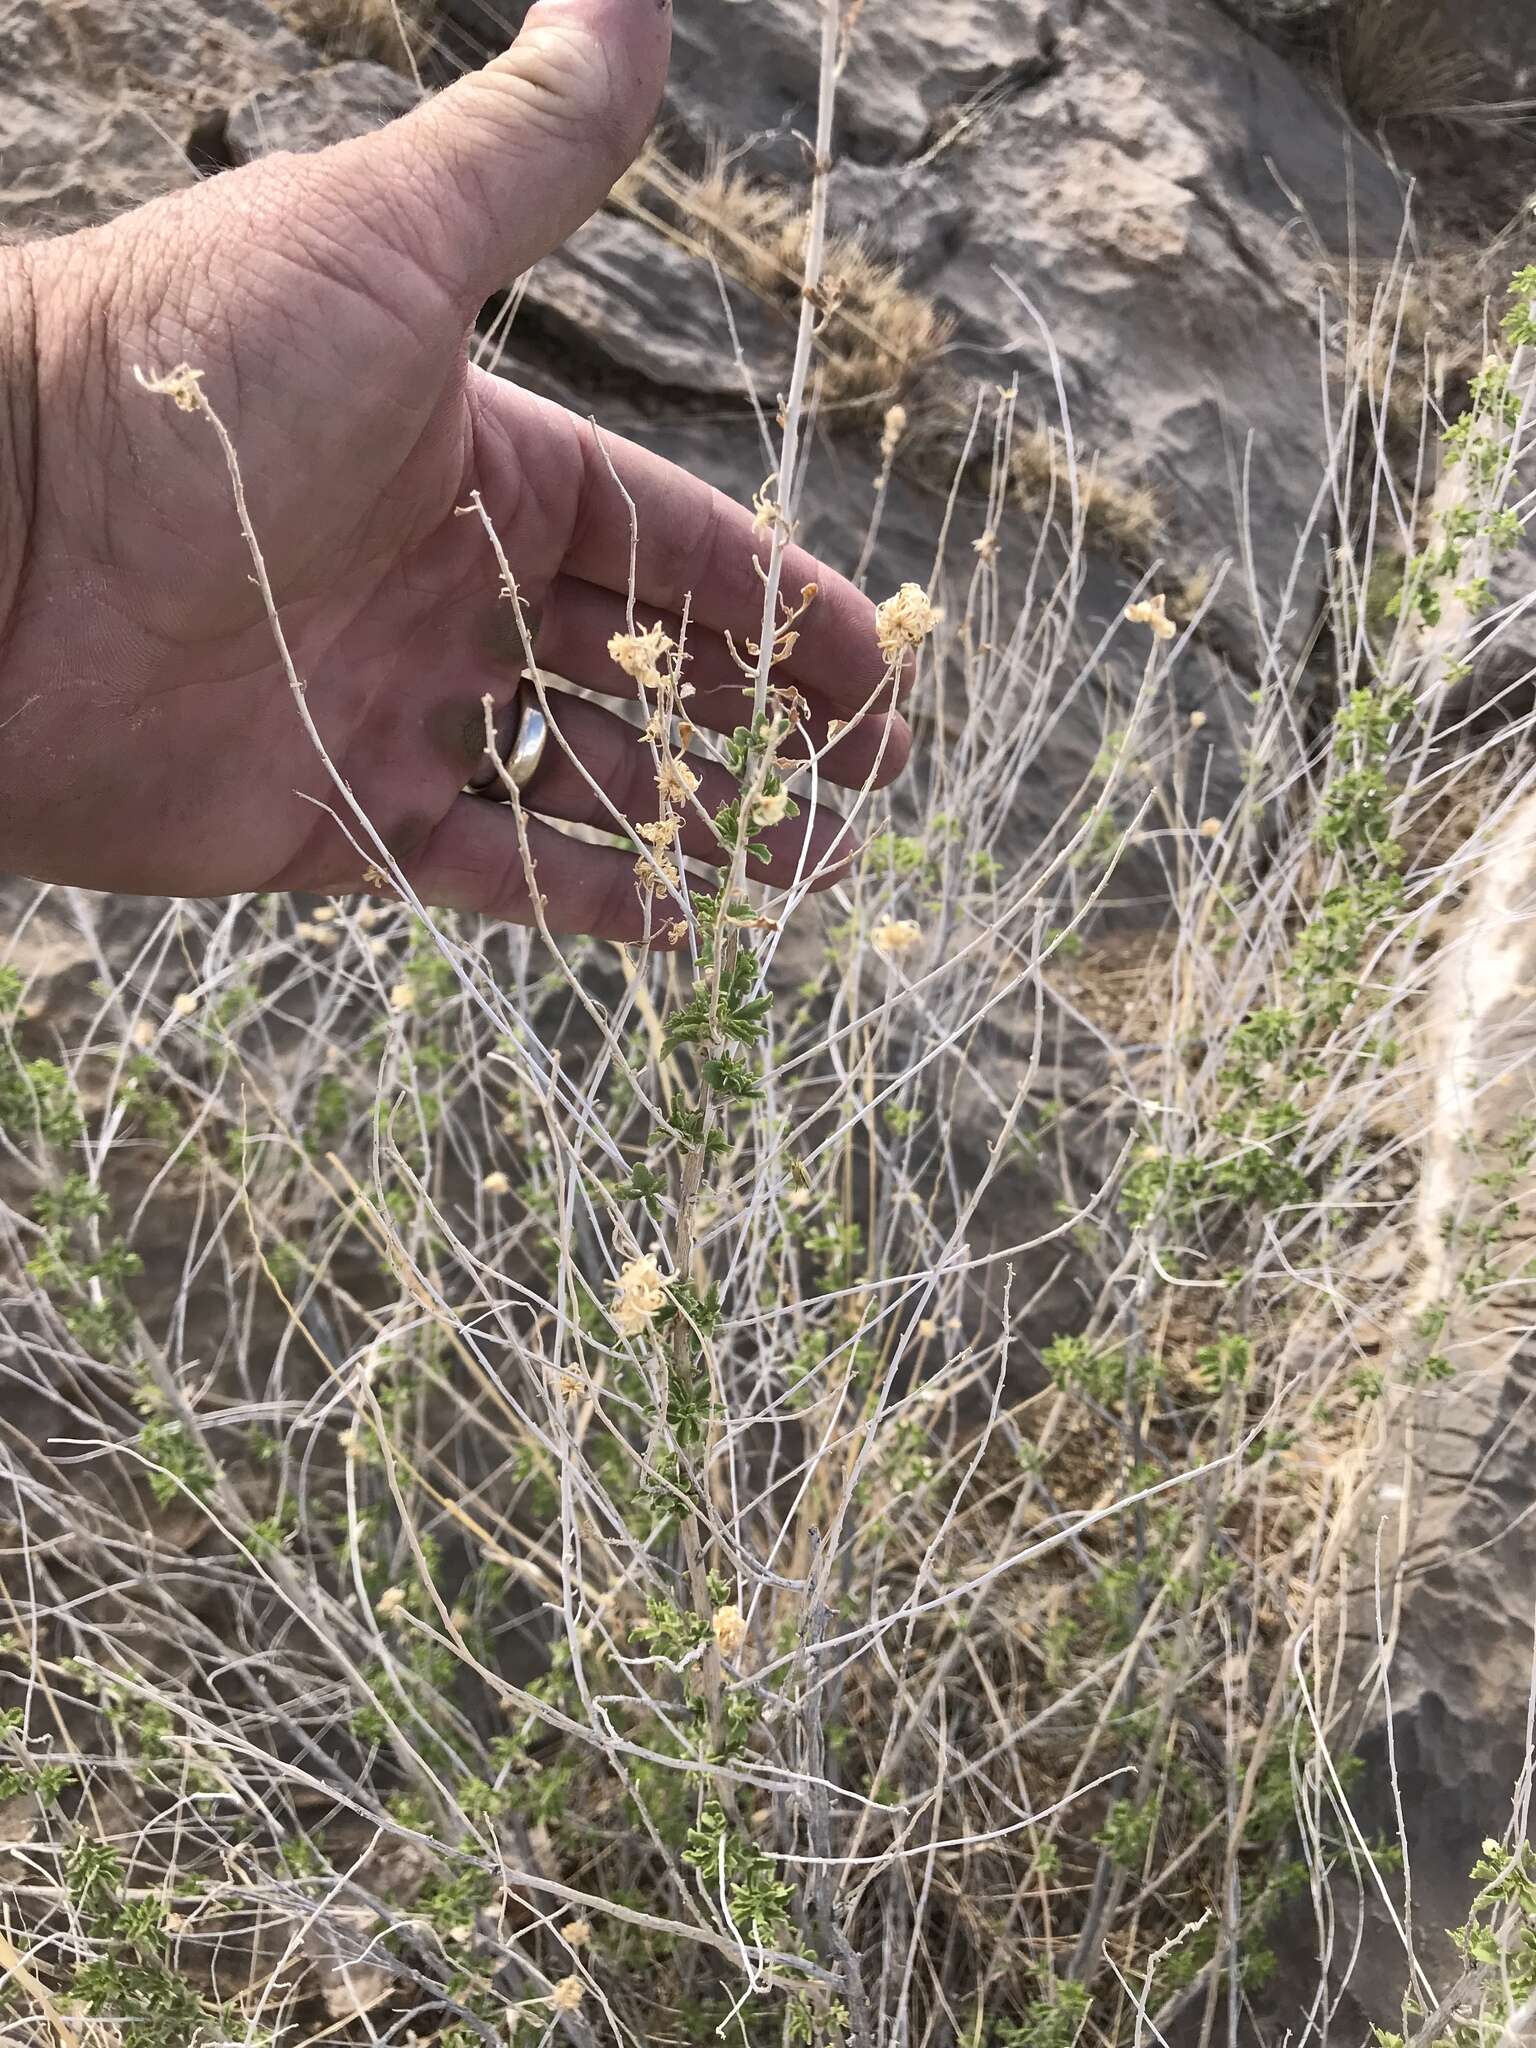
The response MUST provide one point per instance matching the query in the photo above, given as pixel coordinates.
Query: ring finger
(578, 620)
(598, 770)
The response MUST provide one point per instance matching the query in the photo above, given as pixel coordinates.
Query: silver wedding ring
(521, 744)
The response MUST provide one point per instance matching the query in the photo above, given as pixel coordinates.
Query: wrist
(18, 438)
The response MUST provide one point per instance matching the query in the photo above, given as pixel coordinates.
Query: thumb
(487, 177)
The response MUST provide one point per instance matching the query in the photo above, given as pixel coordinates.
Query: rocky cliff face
(1141, 210)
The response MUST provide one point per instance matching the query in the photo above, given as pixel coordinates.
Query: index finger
(694, 545)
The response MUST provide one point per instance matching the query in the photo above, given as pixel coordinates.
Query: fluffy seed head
(638, 1295)
(904, 621)
(676, 780)
(730, 1630)
(894, 937)
(1153, 612)
(640, 655)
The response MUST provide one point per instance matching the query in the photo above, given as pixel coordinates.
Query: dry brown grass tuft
(878, 335)
(1124, 514)
(393, 32)
(1421, 335)
(1404, 60)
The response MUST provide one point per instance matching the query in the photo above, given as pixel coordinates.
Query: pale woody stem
(789, 481)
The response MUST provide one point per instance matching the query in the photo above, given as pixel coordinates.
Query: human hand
(148, 736)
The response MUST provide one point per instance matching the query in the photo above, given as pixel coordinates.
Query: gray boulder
(1454, 1727)
(315, 108)
(100, 103)
(1169, 221)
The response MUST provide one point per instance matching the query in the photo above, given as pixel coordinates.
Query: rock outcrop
(1453, 1511)
(315, 107)
(1133, 215)
(104, 106)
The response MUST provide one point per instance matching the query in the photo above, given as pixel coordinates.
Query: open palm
(148, 737)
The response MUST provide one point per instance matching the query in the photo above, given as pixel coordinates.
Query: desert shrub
(771, 1525)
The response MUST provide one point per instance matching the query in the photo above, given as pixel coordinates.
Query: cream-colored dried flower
(638, 1295)
(904, 621)
(676, 780)
(576, 1933)
(179, 385)
(891, 435)
(771, 810)
(1210, 828)
(1196, 720)
(326, 914)
(185, 1005)
(1153, 612)
(143, 1033)
(374, 877)
(894, 937)
(389, 1603)
(661, 834)
(640, 655)
(316, 934)
(928, 1329)
(730, 1630)
(986, 547)
(659, 872)
(767, 512)
(568, 1994)
(402, 996)
(496, 1184)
